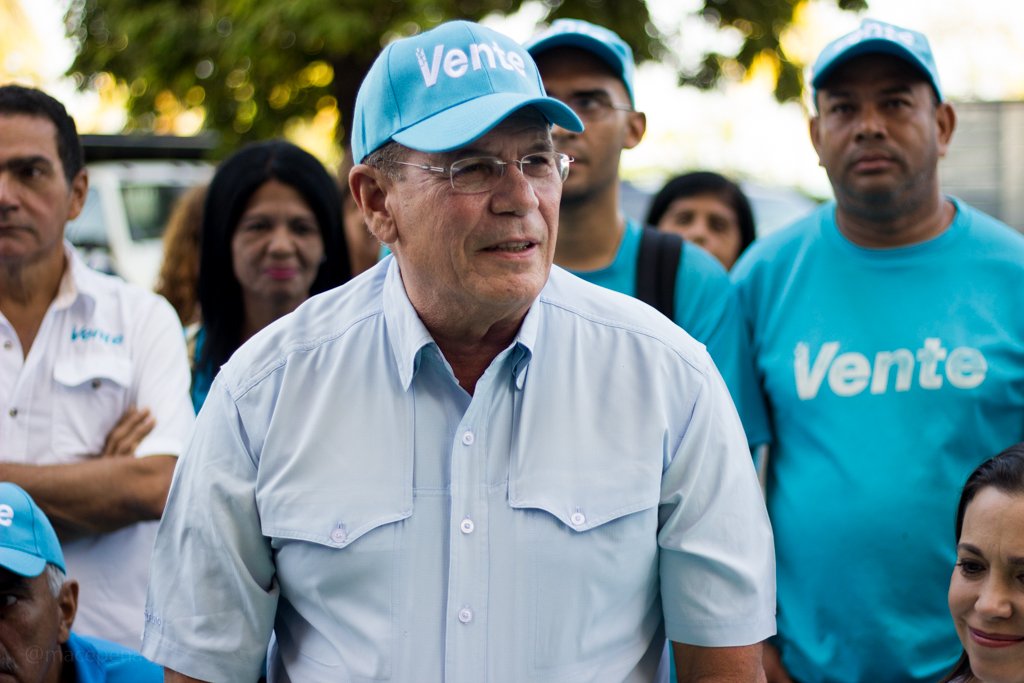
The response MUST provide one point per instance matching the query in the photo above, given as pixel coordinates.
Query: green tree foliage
(254, 65)
(761, 25)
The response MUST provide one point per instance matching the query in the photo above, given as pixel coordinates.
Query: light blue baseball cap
(877, 37)
(27, 539)
(601, 42)
(442, 89)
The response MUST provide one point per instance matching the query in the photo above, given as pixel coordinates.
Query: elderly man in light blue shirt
(464, 465)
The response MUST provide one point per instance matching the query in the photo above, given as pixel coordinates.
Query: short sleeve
(212, 594)
(717, 561)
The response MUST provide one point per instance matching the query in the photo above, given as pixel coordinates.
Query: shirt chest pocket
(337, 555)
(89, 396)
(588, 535)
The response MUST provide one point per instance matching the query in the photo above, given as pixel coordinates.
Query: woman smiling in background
(271, 238)
(986, 592)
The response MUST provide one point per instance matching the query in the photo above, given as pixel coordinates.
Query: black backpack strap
(657, 265)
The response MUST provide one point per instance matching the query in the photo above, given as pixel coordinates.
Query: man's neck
(470, 348)
(902, 226)
(471, 354)
(589, 231)
(26, 292)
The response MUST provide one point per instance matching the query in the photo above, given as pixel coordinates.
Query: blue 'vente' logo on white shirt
(87, 333)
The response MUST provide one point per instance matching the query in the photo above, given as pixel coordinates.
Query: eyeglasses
(482, 174)
(594, 106)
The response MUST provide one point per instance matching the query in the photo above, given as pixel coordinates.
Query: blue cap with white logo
(603, 43)
(877, 37)
(440, 90)
(27, 539)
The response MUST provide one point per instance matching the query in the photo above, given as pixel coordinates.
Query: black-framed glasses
(482, 174)
(594, 106)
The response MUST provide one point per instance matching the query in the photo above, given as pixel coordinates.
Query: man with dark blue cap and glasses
(38, 605)
(464, 465)
(890, 343)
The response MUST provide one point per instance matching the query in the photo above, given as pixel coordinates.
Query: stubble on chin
(882, 205)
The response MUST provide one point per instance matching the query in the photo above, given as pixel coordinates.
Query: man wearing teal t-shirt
(890, 347)
(591, 69)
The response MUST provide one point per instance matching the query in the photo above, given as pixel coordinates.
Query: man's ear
(370, 188)
(814, 127)
(945, 123)
(79, 189)
(636, 126)
(67, 606)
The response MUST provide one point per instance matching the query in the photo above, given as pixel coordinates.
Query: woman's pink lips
(281, 273)
(994, 639)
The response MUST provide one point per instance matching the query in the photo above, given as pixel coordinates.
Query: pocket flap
(585, 500)
(334, 523)
(73, 372)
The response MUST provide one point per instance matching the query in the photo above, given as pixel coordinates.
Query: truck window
(147, 207)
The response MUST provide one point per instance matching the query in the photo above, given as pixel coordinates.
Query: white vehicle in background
(120, 229)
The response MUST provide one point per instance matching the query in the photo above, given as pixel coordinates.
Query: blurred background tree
(18, 42)
(253, 68)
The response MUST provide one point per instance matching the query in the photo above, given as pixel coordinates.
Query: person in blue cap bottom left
(38, 605)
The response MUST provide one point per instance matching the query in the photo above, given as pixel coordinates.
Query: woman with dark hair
(271, 238)
(707, 209)
(986, 591)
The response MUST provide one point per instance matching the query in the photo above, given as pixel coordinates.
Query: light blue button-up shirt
(594, 494)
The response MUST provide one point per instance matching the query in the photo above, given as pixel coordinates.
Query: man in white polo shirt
(92, 372)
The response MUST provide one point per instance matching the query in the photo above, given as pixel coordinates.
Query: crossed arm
(104, 493)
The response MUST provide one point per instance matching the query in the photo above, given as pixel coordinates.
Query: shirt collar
(408, 335)
(84, 658)
(74, 281)
(406, 332)
(525, 342)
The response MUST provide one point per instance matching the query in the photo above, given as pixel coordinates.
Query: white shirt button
(468, 438)
(13, 412)
(467, 526)
(8, 344)
(578, 519)
(465, 615)
(339, 535)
